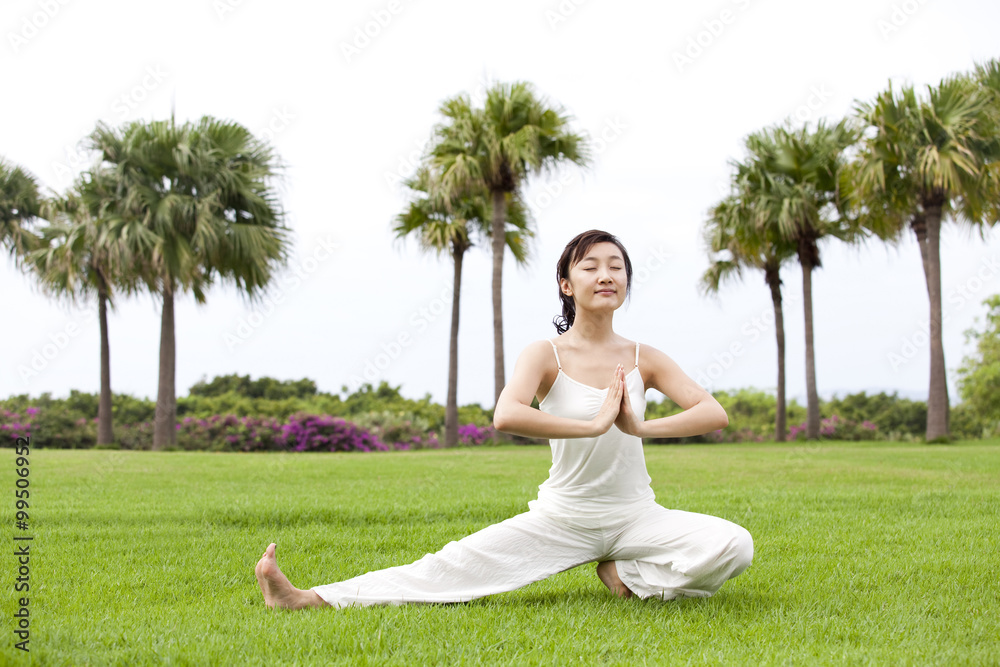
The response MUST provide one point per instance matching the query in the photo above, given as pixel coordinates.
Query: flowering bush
(301, 432)
(134, 436)
(403, 429)
(836, 428)
(312, 433)
(61, 429)
(470, 434)
(14, 426)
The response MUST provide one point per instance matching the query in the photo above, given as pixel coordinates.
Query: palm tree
(792, 177)
(443, 222)
(496, 148)
(19, 204)
(736, 243)
(923, 160)
(203, 198)
(987, 77)
(77, 257)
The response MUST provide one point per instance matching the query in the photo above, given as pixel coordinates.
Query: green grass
(866, 553)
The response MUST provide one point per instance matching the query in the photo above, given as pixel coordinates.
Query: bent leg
(671, 553)
(514, 553)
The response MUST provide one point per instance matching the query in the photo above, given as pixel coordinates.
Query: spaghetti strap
(554, 350)
(637, 355)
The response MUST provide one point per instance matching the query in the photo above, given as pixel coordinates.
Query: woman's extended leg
(514, 553)
(671, 553)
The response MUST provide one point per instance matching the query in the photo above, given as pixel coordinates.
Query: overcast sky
(348, 93)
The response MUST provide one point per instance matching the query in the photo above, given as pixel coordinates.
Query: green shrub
(265, 387)
(895, 417)
(391, 427)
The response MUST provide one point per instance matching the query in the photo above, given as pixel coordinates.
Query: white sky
(347, 123)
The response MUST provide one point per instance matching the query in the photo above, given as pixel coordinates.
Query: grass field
(866, 553)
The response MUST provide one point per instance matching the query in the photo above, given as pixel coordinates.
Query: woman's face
(599, 280)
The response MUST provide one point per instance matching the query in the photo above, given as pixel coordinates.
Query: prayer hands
(628, 421)
(617, 408)
(612, 402)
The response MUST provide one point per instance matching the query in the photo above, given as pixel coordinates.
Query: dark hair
(574, 251)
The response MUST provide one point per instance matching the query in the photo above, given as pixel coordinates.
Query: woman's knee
(741, 549)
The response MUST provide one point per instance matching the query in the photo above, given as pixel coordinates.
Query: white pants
(658, 552)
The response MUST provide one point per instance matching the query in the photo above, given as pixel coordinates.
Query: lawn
(866, 553)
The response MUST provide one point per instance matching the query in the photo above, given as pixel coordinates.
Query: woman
(596, 504)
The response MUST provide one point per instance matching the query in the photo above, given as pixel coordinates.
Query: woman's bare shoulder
(538, 354)
(539, 347)
(651, 353)
(656, 364)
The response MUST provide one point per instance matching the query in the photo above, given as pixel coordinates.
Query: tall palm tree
(203, 196)
(496, 148)
(444, 222)
(76, 258)
(20, 203)
(987, 77)
(923, 160)
(793, 176)
(736, 243)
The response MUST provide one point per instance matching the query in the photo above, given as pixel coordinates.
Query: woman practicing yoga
(596, 505)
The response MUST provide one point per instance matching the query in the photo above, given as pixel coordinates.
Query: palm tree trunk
(105, 434)
(499, 239)
(164, 428)
(780, 418)
(812, 396)
(451, 409)
(937, 396)
(919, 226)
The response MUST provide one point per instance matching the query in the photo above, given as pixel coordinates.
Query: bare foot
(278, 591)
(608, 574)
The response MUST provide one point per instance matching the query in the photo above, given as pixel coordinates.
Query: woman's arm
(702, 413)
(514, 414)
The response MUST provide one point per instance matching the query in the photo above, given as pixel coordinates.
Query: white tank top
(593, 477)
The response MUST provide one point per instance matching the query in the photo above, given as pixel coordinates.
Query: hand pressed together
(617, 408)
(628, 421)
